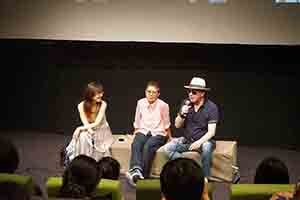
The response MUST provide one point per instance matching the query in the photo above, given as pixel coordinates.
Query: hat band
(197, 86)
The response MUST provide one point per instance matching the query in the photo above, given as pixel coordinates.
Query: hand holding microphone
(185, 108)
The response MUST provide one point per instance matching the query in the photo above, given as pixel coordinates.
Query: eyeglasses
(194, 92)
(151, 92)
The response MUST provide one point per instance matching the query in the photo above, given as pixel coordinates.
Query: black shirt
(196, 123)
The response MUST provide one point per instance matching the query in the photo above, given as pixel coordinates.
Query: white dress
(95, 145)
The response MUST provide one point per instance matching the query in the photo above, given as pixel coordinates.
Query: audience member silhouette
(109, 168)
(9, 160)
(271, 170)
(183, 177)
(9, 156)
(80, 178)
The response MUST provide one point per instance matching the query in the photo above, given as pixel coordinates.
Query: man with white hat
(198, 117)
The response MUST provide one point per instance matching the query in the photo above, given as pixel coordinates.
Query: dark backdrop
(255, 86)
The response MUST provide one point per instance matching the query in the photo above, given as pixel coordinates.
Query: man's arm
(179, 121)
(207, 136)
(166, 121)
(169, 134)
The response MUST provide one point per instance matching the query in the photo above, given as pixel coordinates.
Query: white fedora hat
(197, 83)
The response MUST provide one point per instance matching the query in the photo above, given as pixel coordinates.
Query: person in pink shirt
(151, 131)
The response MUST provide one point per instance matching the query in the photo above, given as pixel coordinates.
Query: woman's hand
(91, 131)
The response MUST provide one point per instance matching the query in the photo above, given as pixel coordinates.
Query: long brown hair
(90, 91)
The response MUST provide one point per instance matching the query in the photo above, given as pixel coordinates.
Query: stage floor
(39, 157)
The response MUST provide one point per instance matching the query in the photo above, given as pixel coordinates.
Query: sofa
(223, 164)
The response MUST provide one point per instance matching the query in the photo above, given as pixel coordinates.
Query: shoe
(236, 175)
(236, 178)
(129, 176)
(139, 173)
(133, 177)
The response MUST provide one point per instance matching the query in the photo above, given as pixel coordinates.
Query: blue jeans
(143, 149)
(177, 146)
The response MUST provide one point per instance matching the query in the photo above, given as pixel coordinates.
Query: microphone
(187, 102)
(185, 108)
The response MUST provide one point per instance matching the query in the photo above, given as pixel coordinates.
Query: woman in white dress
(94, 137)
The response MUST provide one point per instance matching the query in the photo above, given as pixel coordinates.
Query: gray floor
(39, 153)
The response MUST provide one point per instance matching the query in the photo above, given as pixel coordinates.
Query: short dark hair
(271, 170)
(109, 167)
(154, 84)
(9, 156)
(80, 178)
(182, 176)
